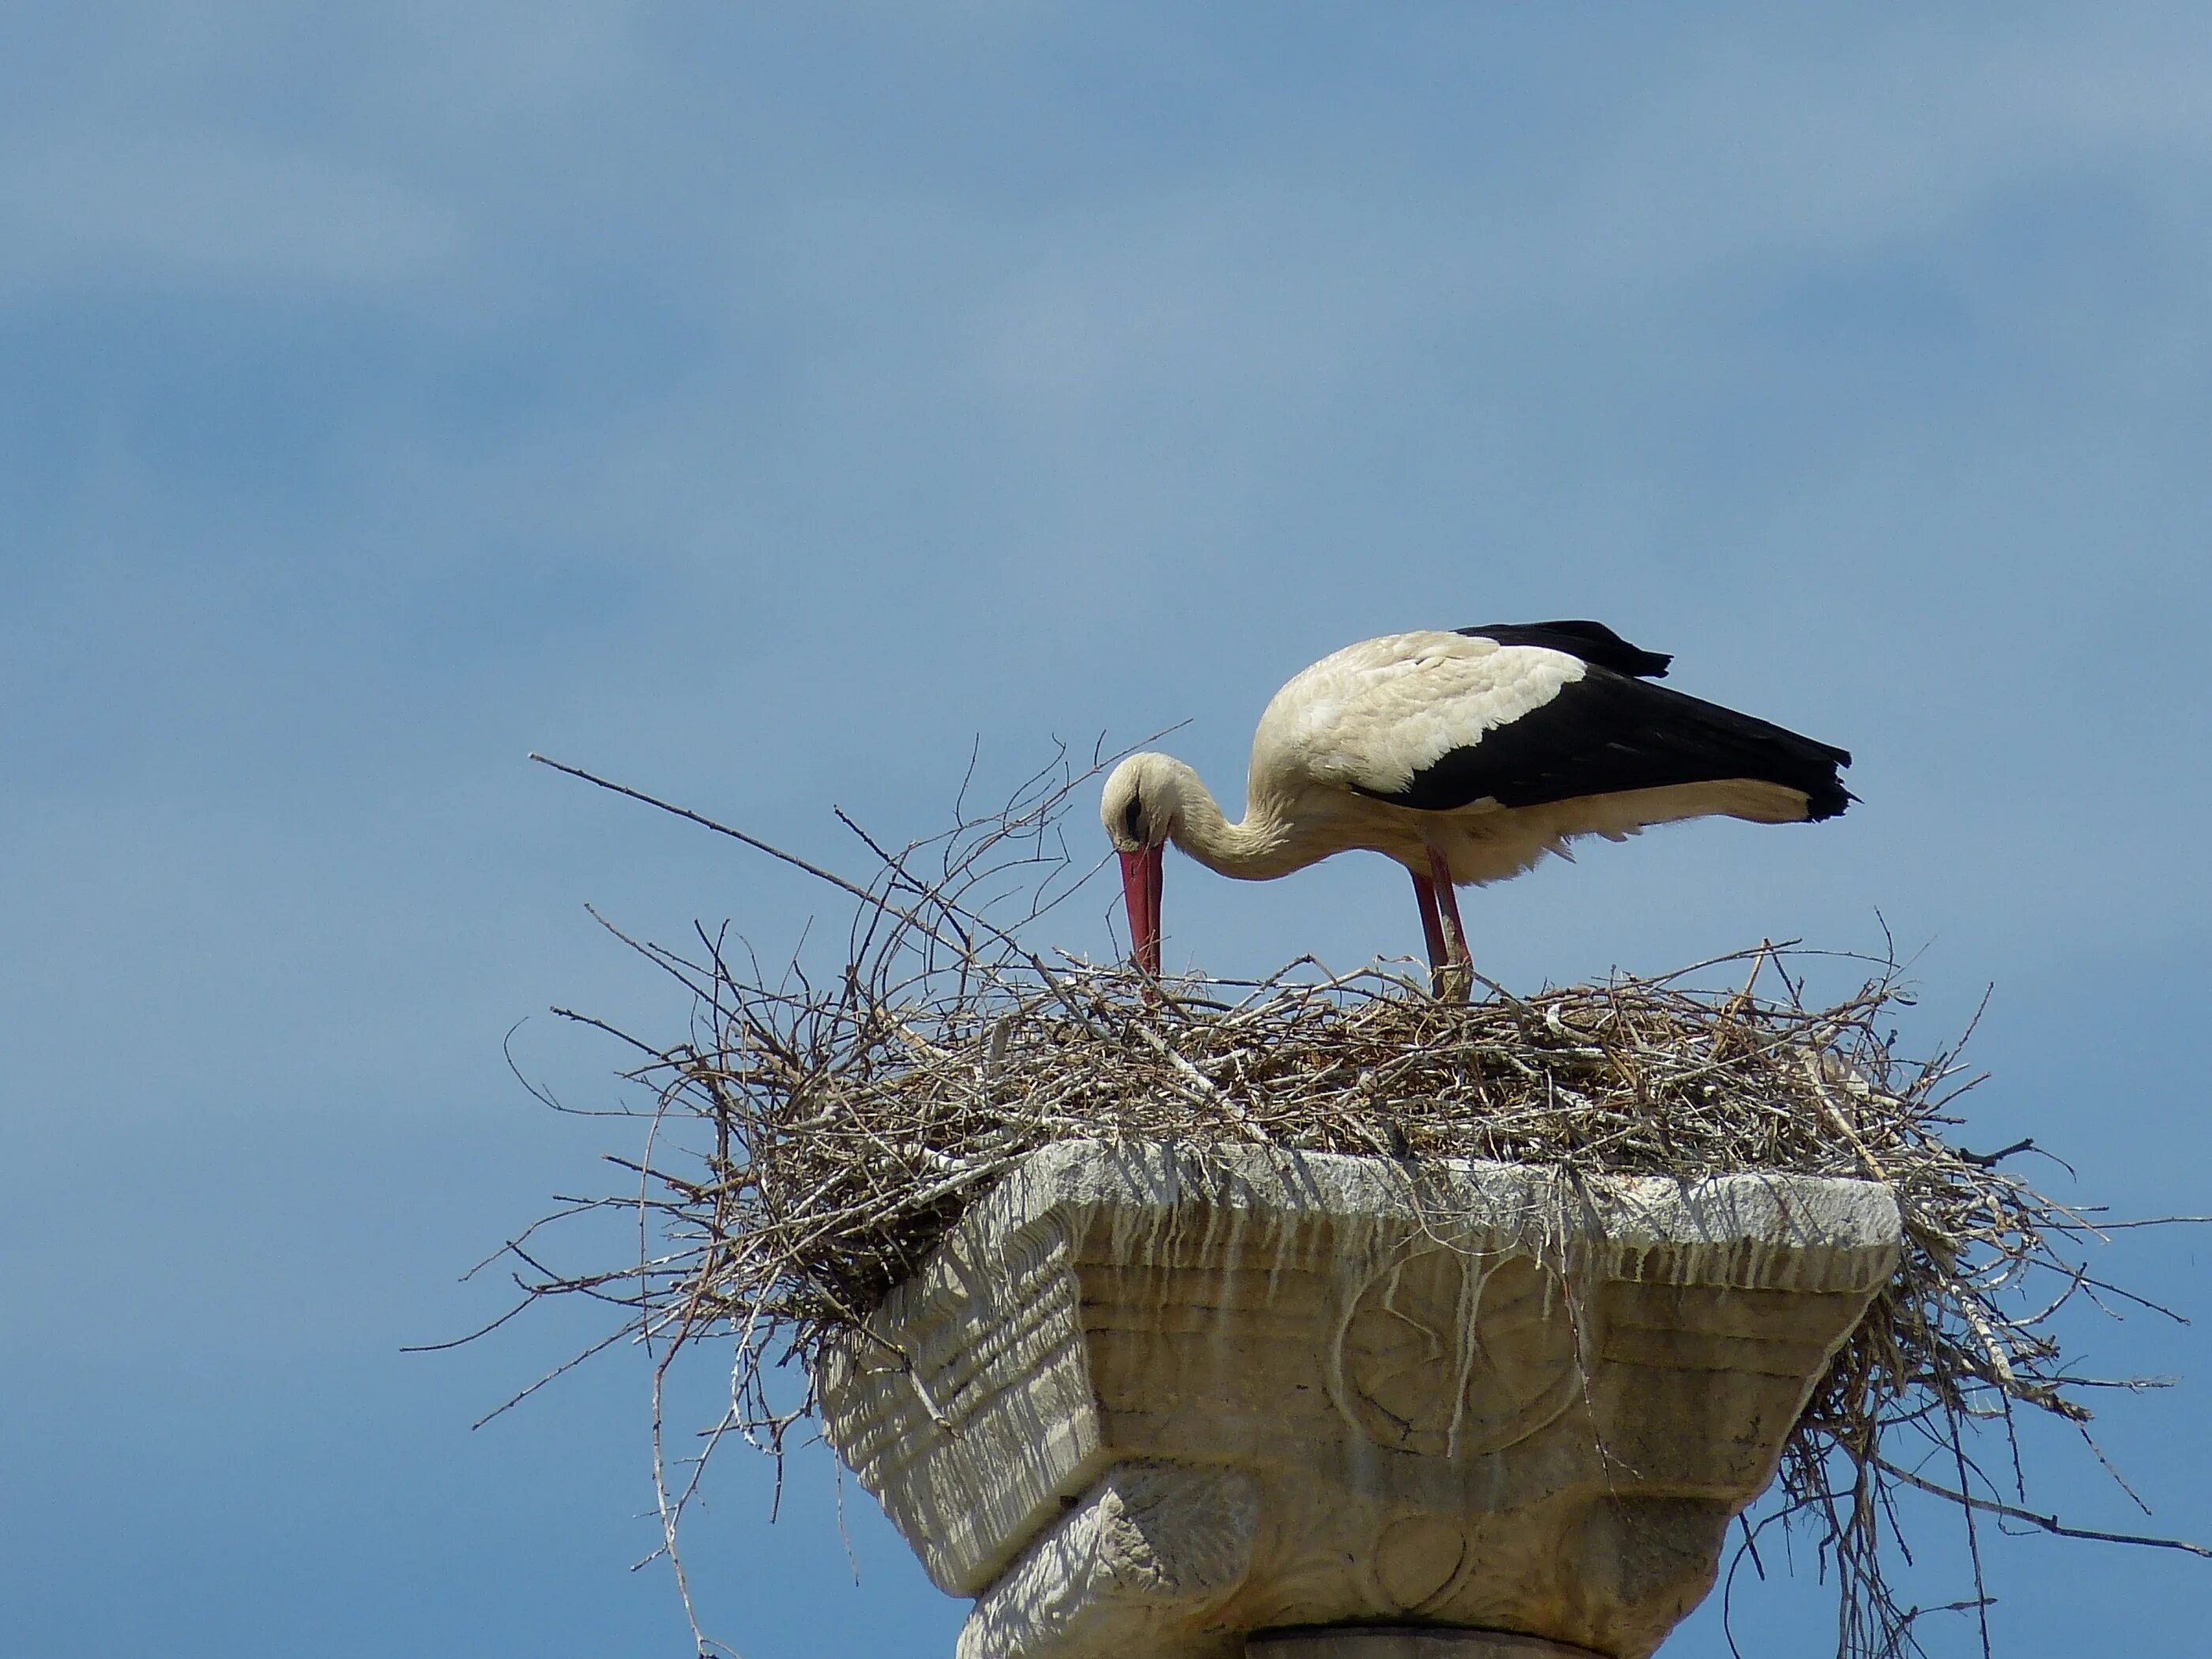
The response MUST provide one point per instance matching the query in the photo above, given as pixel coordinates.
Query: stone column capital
(1151, 1400)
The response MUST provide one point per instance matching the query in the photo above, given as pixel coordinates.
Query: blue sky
(764, 406)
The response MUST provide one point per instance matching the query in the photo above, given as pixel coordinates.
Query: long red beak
(1142, 873)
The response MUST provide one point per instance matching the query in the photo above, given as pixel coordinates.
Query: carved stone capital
(1146, 1400)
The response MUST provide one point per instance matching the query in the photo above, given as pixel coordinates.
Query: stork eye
(1133, 819)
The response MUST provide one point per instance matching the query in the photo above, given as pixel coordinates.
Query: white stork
(1465, 757)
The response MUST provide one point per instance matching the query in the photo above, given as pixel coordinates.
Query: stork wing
(1592, 641)
(1602, 734)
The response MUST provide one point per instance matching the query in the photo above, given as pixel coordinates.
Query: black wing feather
(1606, 733)
(1592, 641)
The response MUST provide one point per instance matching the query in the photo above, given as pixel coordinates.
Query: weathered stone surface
(1465, 1394)
(1131, 1571)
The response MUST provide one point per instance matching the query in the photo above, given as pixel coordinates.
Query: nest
(815, 1134)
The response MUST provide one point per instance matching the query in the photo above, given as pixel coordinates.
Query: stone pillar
(1149, 1401)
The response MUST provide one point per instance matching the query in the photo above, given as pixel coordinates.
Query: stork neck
(1254, 849)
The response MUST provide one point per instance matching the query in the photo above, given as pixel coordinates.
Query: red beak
(1142, 872)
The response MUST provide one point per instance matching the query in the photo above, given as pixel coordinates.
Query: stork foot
(1452, 981)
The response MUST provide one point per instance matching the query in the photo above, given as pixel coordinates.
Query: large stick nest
(815, 1134)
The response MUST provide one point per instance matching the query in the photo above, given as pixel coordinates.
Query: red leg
(1454, 932)
(1433, 928)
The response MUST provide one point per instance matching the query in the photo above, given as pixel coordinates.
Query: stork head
(1142, 808)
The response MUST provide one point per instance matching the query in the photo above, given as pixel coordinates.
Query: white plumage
(1374, 713)
(1465, 757)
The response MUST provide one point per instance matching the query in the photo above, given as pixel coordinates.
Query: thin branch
(2049, 1523)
